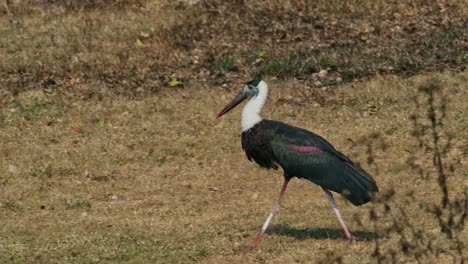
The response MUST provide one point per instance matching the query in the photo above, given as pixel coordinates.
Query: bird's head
(250, 90)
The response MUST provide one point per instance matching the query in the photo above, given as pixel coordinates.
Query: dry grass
(103, 161)
(132, 47)
(118, 180)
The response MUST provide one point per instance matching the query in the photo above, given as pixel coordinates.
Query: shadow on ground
(320, 233)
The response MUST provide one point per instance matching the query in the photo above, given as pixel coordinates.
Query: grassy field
(106, 158)
(119, 180)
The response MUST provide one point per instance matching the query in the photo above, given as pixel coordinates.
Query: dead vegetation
(110, 151)
(118, 180)
(433, 161)
(132, 47)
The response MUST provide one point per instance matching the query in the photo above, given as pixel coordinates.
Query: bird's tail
(358, 186)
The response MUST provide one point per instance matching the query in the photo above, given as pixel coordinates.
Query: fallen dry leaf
(77, 129)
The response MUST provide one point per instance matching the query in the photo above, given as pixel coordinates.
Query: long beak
(239, 98)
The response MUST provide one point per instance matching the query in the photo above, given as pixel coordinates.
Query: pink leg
(337, 212)
(275, 210)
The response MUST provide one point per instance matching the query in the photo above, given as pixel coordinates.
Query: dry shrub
(446, 208)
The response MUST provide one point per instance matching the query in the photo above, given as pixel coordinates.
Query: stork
(300, 153)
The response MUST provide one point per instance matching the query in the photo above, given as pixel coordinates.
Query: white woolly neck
(251, 113)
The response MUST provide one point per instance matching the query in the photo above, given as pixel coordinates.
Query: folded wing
(304, 154)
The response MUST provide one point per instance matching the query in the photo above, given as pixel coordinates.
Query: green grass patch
(226, 64)
(298, 64)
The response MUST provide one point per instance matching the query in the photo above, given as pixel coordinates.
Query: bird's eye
(250, 87)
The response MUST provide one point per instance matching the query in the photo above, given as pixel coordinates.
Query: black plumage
(269, 143)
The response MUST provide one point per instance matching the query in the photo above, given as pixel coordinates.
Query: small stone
(12, 168)
(145, 34)
(213, 189)
(338, 79)
(258, 61)
(317, 84)
(84, 214)
(324, 88)
(322, 73)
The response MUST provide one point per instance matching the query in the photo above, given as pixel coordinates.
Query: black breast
(256, 144)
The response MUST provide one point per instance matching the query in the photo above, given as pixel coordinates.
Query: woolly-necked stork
(300, 153)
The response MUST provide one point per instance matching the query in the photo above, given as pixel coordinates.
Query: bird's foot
(250, 248)
(351, 238)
